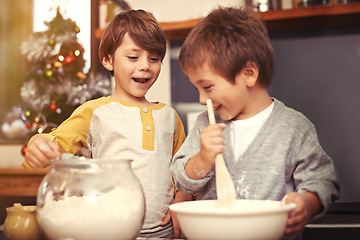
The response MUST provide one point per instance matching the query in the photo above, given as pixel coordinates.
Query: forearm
(196, 168)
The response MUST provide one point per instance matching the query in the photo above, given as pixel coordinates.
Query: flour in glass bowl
(113, 215)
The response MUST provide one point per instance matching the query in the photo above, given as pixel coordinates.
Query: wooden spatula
(225, 187)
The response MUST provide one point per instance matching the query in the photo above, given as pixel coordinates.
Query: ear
(107, 63)
(251, 74)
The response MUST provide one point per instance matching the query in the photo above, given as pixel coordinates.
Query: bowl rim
(88, 161)
(177, 208)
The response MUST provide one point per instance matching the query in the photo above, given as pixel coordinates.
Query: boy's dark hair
(141, 26)
(227, 39)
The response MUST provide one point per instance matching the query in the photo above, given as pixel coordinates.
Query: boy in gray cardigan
(271, 151)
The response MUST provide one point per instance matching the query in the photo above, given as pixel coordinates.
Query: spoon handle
(225, 188)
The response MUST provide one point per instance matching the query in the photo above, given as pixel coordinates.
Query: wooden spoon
(225, 187)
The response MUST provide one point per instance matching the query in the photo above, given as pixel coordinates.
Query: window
(78, 11)
(16, 25)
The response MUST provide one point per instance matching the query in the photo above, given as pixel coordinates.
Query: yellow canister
(21, 223)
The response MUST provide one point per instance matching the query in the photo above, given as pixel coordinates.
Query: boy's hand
(179, 197)
(212, 143)
(39, 151)
(307, 205)
(177, 230)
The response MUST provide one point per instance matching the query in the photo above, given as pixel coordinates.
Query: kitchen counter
(14, 179)
(311, 232)
(342, 222)
(5, 237)
(18, 185)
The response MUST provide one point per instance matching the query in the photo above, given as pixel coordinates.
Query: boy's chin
(226, 117)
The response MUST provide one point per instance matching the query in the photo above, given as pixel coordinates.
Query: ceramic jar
(91, 199)
(21, 223)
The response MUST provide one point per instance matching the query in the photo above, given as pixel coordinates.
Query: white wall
(10, 156)
(161, 90)
(177, 10)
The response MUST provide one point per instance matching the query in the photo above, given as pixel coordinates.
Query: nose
(144, 65)
(202, 99)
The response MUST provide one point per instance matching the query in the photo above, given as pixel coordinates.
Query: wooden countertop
(19, 182)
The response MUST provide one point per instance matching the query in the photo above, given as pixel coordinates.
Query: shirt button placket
(148, 127)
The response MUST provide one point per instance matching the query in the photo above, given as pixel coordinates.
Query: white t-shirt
(244, 131)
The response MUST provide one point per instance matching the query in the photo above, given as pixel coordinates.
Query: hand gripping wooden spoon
(225, 187)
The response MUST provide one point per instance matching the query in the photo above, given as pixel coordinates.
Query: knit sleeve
(189, 148)
(315, 172)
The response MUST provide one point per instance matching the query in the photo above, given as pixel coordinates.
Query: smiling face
(135, 71)
(232, 101)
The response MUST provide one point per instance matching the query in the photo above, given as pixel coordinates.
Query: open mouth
(141, 80)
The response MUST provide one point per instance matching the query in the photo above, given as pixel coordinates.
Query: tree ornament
(53, 107)
(81, 75)
(24, 149)
(68, 59)
(14, 126)
(49, 73)
(77, 52)
(57, 64)
(14, 130)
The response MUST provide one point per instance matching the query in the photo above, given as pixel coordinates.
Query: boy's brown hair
(227, 39)
(141, 26)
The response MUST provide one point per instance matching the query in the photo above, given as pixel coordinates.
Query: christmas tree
(55, 84)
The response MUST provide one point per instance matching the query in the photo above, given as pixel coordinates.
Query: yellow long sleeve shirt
(149, 135)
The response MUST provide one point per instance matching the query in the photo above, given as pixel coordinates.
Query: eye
(207, 87)
(154, 59)
(132, 58)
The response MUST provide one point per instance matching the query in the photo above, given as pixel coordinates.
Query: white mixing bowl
(246, 219)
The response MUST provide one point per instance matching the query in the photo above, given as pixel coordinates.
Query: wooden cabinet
(313, 17)
(19, 182)
(297, 18)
